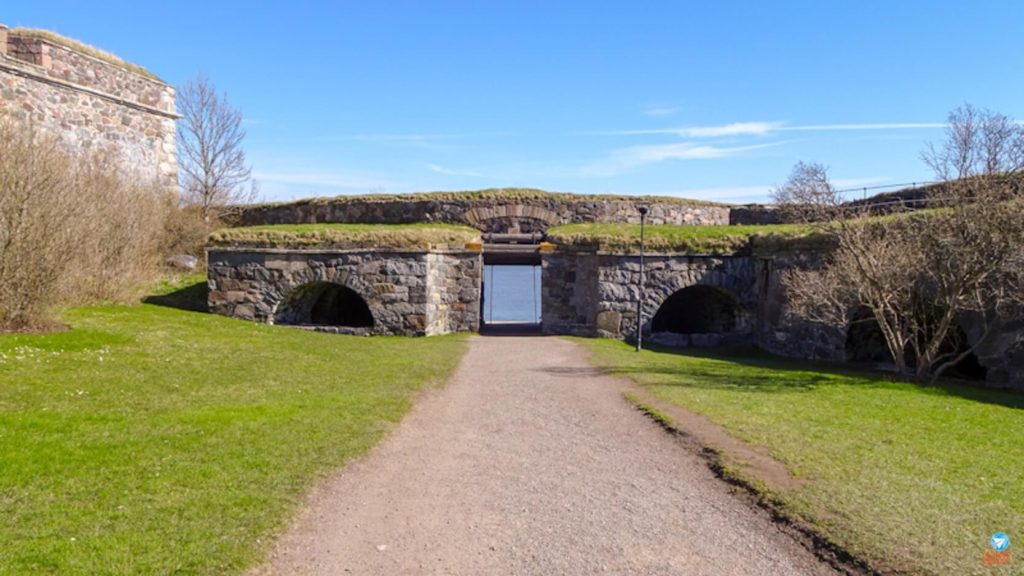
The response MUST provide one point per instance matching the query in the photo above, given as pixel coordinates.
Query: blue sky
(712, 100)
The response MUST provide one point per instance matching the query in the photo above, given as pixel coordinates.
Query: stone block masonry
(690, 299)
(89, 102)
(595, 294)
(528, 214)
(407, 293)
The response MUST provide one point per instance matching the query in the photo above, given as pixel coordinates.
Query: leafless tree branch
(214, 173)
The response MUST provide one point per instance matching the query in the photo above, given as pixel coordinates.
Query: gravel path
(530, 462)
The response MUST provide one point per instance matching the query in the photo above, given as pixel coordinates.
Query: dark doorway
(697, 310)
(325, 304)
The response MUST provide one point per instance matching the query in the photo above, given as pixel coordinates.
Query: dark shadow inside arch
(324, 304)
(866, 343)
(864, 339)
(697, 310)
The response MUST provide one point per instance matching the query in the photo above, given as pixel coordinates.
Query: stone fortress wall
(533, 212)
(739, 299)
(407, 293)
(689, 299)
(90, 102)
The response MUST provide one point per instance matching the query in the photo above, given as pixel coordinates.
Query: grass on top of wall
(84, 48)
(716, 240)
(151, 440)
(381, 236)
(913, 479)
(503, 195)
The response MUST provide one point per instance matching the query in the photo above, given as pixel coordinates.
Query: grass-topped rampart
(713, 240)
(614, 238)
(346, 236)
(487, 195)
(82, 47)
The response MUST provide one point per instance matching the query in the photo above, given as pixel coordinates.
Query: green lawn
(911, 478)
(400, 236)
(157, 441)
(673, 238)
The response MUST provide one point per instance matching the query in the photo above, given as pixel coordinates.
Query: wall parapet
(488, 211)
(49, 61)
(90, 100)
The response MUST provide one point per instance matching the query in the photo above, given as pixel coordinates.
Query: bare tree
(977, 143)
(214, 173)
(918, 274)
(807, 188)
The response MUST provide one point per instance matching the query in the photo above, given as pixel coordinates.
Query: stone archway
(511, 219)
(698, 309)
(324, 304)
(865, 343)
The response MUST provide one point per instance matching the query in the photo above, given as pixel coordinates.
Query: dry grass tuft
(84, 48)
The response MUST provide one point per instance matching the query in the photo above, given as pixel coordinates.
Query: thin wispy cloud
(403, 137)
(453, 172)
(860, 182)
(734, 129)
(766, 128)
(869, 126)
(625, 159)
(344, 181)
(657, 111)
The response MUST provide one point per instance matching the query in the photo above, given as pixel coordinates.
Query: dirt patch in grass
(730, 454)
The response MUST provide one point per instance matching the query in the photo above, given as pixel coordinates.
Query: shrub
(185, 231)
(74, 226)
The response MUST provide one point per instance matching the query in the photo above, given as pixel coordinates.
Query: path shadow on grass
(191, 298)
(755, 371)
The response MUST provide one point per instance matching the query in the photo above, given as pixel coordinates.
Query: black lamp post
(640, 301)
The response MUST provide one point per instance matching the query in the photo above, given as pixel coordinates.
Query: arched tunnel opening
(325, 304)
(698, 310)
(866, 343)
